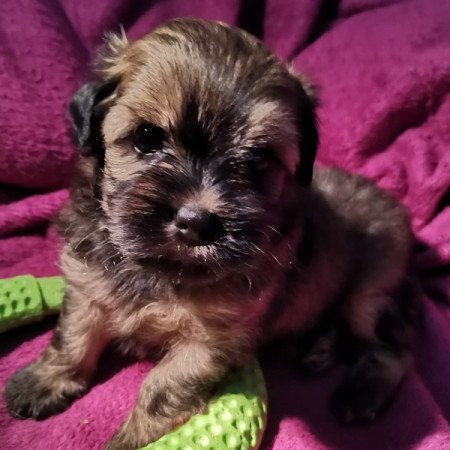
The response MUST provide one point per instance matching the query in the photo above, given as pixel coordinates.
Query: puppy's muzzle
(197, 226)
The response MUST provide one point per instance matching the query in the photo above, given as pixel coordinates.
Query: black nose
(196, 226)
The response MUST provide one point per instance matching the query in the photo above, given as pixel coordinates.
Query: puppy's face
(197, 129)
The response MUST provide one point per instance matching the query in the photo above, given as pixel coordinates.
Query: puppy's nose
(196, 226)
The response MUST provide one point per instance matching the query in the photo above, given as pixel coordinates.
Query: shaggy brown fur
(193, 227)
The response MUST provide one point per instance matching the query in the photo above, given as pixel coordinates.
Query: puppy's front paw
(132, 436)
(115, 443)
(29, 395)
(122, 441)
(142, 428)
(134, 433)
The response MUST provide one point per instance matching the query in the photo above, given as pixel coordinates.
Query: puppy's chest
(158, 323)
(152, 321)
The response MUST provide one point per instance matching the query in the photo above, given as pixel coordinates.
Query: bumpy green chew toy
(234, 419)
(27, 299)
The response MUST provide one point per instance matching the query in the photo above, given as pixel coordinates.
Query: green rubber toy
(26, 299)
(234, 419)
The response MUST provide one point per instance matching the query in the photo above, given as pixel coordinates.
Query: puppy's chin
(193, 265)
(179, 273)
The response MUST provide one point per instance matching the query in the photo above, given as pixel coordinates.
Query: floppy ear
(308, 136)
(86, 112)
(88, 106)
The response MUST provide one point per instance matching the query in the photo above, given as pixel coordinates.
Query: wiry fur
(327, 262)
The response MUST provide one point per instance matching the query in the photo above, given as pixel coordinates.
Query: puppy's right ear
(87, 109)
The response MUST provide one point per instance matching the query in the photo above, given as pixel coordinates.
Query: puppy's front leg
(62, 372)
(178, 387)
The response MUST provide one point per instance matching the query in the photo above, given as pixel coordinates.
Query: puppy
(196, 226)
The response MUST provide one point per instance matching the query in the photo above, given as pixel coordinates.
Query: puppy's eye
(148, 138)
(262, 164)
(262, 161)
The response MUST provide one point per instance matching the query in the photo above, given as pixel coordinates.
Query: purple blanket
(382, 68)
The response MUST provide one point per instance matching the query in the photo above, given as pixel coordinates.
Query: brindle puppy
(195, 226)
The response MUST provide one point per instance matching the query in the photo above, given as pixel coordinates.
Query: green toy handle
(26, 299)
(235, 418)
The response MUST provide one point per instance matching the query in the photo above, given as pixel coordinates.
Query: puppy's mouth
(193, 248)
(190, 272)
(201, 264)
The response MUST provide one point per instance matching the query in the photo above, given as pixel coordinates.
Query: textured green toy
(27, 299)
(234, 419)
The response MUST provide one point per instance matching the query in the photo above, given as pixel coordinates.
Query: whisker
(85, 238)
(267, 253)
(274, 230)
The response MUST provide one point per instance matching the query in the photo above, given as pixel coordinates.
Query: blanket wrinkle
(382, 71)
(349, 8)
(31, 211)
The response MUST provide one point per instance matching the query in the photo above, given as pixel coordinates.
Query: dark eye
(148, 138)
(262, 161)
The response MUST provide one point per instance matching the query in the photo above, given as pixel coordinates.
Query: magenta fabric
(382, 70)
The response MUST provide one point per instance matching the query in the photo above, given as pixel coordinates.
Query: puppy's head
(203, 136)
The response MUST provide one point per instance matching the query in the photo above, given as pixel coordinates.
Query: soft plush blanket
(382, 69)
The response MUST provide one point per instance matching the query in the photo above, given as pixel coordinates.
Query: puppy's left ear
(86, 110)
(308, 136)
(90, 103)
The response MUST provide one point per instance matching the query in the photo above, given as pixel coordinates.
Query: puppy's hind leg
(381, 360)
(62, 372)
(370, 384)
(317, 349)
